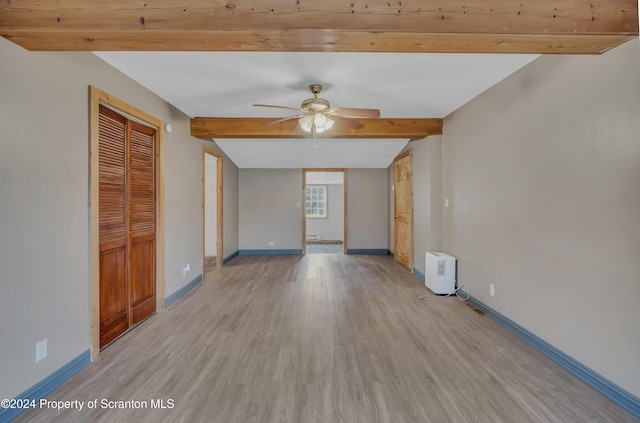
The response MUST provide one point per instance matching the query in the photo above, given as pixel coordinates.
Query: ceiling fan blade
(348, 122)
(367, 113)
(273, 122)
(277, 107)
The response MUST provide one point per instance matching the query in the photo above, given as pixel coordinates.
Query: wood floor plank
(325, 338)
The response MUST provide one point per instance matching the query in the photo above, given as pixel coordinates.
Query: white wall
(367, 209)
(230, 205)
(44, 214)
(331, 227)
(269, 209)
(542, 172)
(210, 210)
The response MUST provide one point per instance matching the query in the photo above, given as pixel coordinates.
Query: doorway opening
(324, 211)
(212, 249)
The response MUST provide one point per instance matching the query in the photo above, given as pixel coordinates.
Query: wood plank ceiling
(444, 26)
(427, 26)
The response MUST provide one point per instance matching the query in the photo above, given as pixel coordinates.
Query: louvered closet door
(127, 223)
(143, 223)
(114, 301)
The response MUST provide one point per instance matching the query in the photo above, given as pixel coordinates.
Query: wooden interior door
(127, 223)
(403, 205)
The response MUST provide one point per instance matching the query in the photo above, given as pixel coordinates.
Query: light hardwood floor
(326, 338)
(324, 248)
(209, 265)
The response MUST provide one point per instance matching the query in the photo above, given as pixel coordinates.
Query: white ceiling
(401, 85)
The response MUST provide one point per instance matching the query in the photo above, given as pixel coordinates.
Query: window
(316, 201)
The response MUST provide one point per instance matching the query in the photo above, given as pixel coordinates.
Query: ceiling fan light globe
(320, 120)
(328, 124)
(306, 122)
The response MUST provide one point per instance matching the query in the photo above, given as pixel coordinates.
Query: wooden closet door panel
(143, 299)
(112, 176)
(143, 223)
(114, 301)
(113, 295)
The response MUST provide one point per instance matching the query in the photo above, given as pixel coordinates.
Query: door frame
(401, 156)
(304, 214)
(97, 97)
(219, 205)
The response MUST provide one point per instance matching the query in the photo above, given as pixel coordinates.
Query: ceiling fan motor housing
(315, 104)
(317, 115)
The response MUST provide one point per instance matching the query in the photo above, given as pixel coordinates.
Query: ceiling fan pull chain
(313, 131)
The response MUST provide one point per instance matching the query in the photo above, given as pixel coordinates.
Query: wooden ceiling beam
(470, 26)
(312, 41)
(213, 128)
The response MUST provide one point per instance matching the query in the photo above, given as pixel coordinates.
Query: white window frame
(324, 202)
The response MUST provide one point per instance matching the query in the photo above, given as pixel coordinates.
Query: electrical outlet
(41, 350)
(492, 290)
(186, 269)
(271, 243)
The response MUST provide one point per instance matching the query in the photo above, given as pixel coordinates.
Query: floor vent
(477, 310)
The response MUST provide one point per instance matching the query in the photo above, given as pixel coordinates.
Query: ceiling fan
(316, 115)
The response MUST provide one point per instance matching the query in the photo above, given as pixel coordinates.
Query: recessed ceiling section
(401, 85)
(299, 153)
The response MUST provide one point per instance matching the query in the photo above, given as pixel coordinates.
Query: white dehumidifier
(440, 273)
